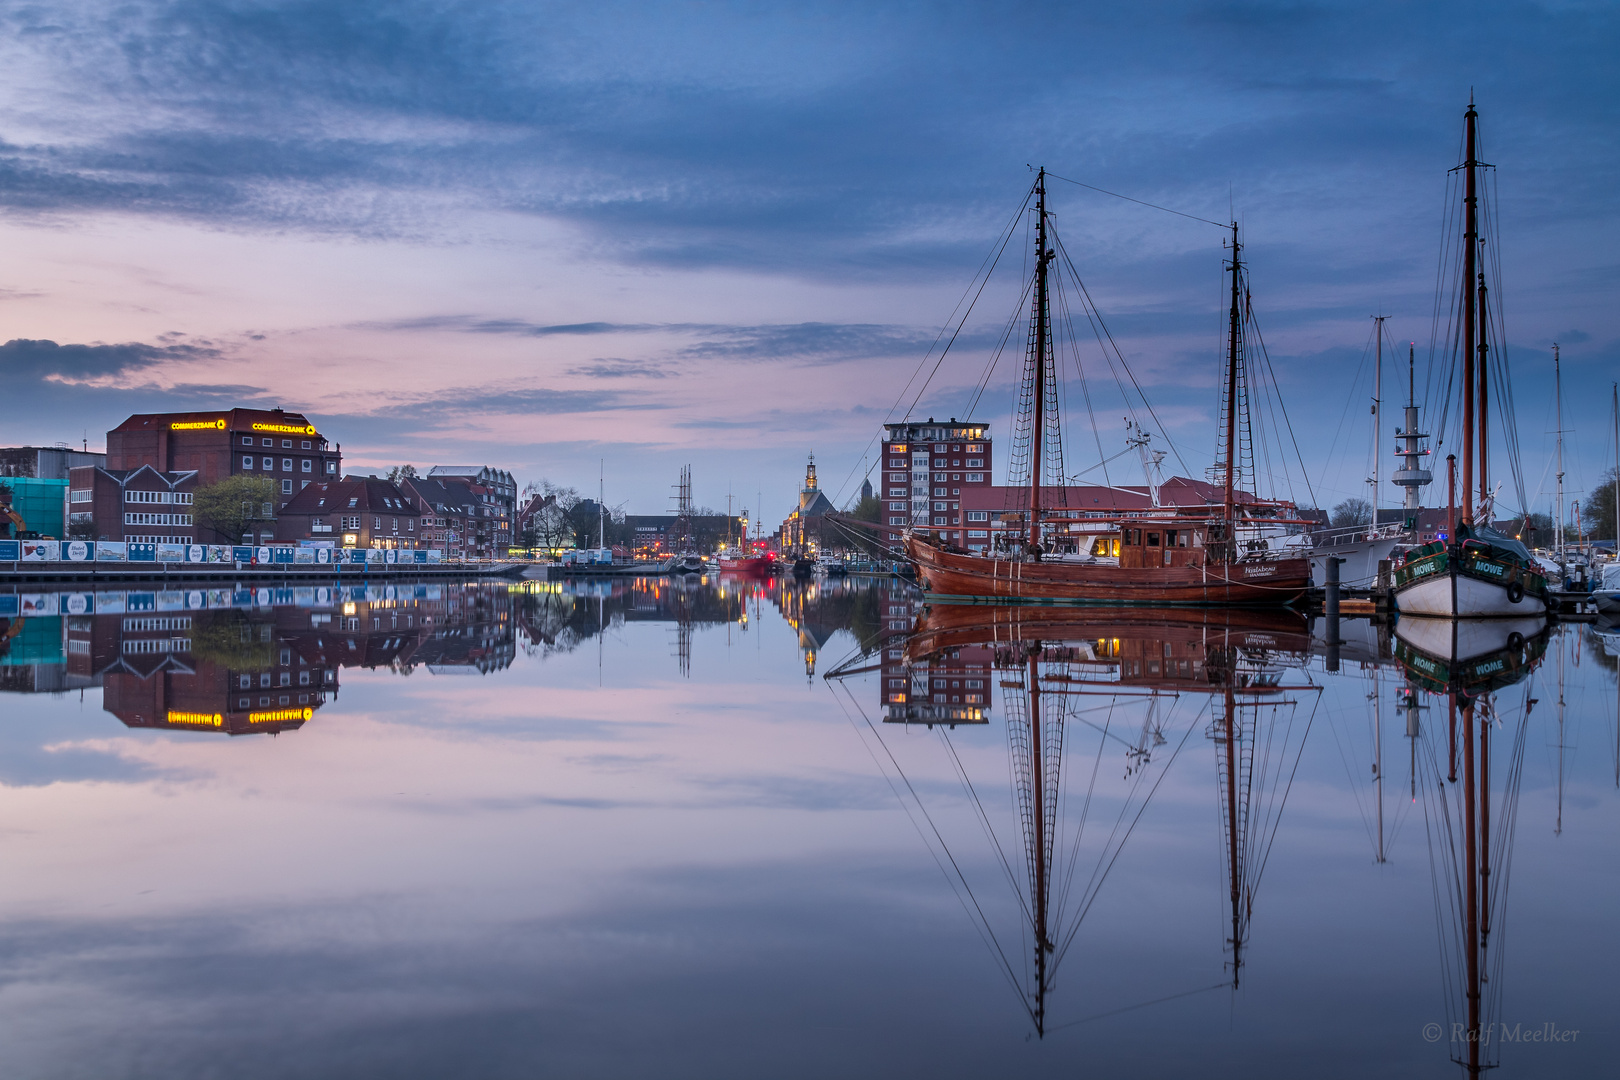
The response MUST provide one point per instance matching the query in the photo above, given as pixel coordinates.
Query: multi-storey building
(928, 467)
(489, 532)
(364, 512)
(46, 462)
(451, 515)
(138, 506)
(278, 445)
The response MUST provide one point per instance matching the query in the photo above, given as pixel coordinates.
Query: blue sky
(539, 236)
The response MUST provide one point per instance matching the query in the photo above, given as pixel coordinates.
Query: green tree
(232, 640)
(235, 505)
(401, 472)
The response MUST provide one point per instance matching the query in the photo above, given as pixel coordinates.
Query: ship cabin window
(1174, 538)
(1153, 539)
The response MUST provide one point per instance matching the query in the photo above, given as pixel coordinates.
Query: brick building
(454, 519)
(929, 468)
(45, 462)
(490, 531)
(139, 505)
(282, 446)
(363, 512)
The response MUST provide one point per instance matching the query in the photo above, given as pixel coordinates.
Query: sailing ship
(1185, 555)
(1474, 571)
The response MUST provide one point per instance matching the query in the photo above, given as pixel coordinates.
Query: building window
(247, 440)
(978, 534)
(79, 496)
(304, 445)
(307, 465)
(286, 464)
(286, 487)
(331, 466)
(974, 478)
(269, 462)
(975, 449)
(410, 524)
(376, 523)
(286, 444)
(247, 461)
(975, 463)
(897, 521)
(302, 484)
(269, 442)
(978, 515)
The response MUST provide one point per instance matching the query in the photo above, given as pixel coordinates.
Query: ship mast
(1378, 418)
(1234, 329)
(1038, 421)
(1470, 246)
(1558, 513)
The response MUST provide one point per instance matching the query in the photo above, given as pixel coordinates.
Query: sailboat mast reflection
(1470, 835)
(1066, 671)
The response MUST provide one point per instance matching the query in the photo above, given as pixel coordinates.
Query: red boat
(758, 564)
(1218, 554)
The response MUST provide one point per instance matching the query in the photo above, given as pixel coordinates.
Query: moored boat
(1216, 555)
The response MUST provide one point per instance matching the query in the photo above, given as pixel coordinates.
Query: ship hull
(978, 579)
(1473, 583)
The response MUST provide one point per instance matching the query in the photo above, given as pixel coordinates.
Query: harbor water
(684, 827)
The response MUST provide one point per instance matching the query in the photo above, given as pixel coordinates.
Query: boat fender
(1515, 641)
(1515, 593)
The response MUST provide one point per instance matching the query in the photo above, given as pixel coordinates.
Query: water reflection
(1138, 815)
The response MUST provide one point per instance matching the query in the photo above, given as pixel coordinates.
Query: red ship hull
(753, 565)
(977, 578)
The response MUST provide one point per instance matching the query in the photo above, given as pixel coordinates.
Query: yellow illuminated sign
(196, 719)
(198, 425)
(284, 429)
(276, 716)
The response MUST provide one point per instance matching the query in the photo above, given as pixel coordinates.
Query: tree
(1352, 512)
(1597, 513)
(552, 527)
(234, 505)
(401, 472)
(1536, 530)
(869, 541)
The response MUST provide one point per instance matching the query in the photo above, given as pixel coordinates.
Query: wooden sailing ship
(1475, 571)
(1217, 555)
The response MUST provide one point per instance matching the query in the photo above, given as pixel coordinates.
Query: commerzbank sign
(219, 425)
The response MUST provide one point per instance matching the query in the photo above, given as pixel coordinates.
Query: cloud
(23, 358)
(615, 368)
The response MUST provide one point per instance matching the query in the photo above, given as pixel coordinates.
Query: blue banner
(142, 552)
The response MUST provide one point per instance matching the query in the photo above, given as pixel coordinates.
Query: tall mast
(1484, 374)
(1038, 421)
(1038, 782)
(1234, 321)
(1378, 416)
(1558, 501)
(1470, 242)
(1230, 735)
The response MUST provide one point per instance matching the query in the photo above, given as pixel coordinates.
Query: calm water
(633, 830)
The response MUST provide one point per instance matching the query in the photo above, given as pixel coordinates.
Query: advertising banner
(111, 551)
(78, 603)
(10, 605)
(434, 555)
(111, 603)
(38, 605)
(41, 550)
(219, 553)
(262, 554)
(142, 552)
(242, 554)
(10, 550)
(323, 555)
(140, 601)
(78, 551)
(196, 553)
(283, 554)
(304, 556)
(171, 601)
(171, 553)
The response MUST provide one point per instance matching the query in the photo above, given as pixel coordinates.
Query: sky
(619, 238)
